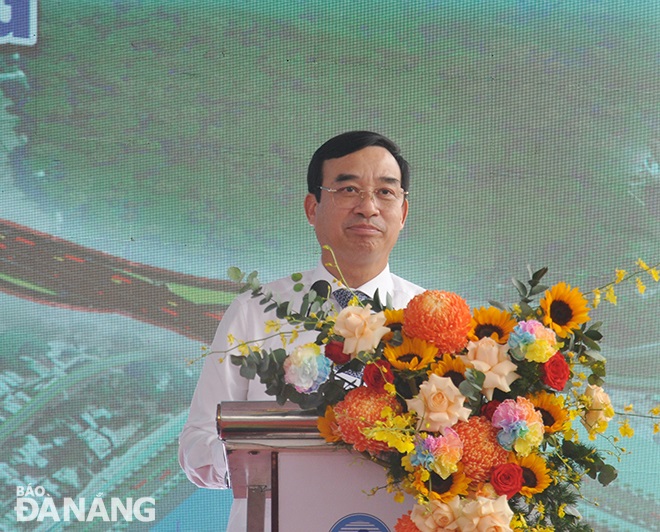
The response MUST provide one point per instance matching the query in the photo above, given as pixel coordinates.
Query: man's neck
(354, 276)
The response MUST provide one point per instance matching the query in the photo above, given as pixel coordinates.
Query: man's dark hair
(344, 144)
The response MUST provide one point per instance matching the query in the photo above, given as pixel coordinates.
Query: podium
(275, 451)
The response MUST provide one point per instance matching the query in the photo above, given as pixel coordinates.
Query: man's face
(361, 236)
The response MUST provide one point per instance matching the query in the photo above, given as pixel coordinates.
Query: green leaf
(595, 380)
(235, 274)
(538, 274)
(496, 304)
(591, 344)
(295, 277)
(298, 287)
(248, 371)
(595, 355)
(593, 334)
(522, 289)
(537, 289)
(607, 474)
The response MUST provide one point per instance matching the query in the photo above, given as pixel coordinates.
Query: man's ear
(404, 213)
(310, 208)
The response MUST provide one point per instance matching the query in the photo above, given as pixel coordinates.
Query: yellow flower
(450, 366)
(273, 326)
(654, 273)
(393, 317)
(564, 308)
(620, 274)
(294, 336)
(626, 430)
(435, 488)
(536, 477)
(656, 428)
(610, 295)
(596, 300)
(642, 265)
(413, 354)
(231, 339)
(555, 416)
(641, 287)
(655, 411)
(493, 322)
(327, 426)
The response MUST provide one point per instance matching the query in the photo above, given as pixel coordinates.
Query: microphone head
(322, 288)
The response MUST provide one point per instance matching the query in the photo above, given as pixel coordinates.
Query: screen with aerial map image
(148, 146)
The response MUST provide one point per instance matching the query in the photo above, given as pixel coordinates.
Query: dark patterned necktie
(343, 296)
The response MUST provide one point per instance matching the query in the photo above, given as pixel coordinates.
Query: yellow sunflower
(564, 308)
(536, 477)
(413, 354)
(393, 317)
(491, 322)
(449, 366)
(434, 487)
(327, 426)
(552, 410)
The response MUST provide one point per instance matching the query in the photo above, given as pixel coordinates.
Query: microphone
(322, 289)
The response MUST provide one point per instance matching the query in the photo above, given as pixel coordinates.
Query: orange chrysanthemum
(442, 318)
(481, 451)
(405, 524)
(360, 409)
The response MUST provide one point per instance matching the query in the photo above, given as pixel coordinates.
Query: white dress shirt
(201, 452)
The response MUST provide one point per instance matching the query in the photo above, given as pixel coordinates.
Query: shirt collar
(382, 282)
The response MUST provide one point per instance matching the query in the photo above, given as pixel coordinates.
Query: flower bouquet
(472, 412)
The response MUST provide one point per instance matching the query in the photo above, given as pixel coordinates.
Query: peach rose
(438, 404)
(599, 411)
(437, 516)
(482, 513)
(361, 329)
(492, 359)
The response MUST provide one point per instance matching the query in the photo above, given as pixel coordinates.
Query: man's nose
(367, 204)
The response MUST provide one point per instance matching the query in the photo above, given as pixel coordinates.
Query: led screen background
(175, 136)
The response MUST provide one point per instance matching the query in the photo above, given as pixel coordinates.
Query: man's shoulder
(403, 285)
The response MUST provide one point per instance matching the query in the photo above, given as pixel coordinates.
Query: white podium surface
(330, 491)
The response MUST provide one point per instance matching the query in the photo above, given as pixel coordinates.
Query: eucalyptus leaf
(595, 355)
(522, 289)
(496, 304)
(607, 474)
(537, 289)
(235, 274)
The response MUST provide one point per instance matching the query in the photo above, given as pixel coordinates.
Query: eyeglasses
(350, 196)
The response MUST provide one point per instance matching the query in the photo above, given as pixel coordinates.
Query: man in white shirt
(358, 183)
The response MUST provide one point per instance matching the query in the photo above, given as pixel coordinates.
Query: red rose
(334, 350)
(378, 374)
(507, 479)
(488, 409)
(555, 372)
